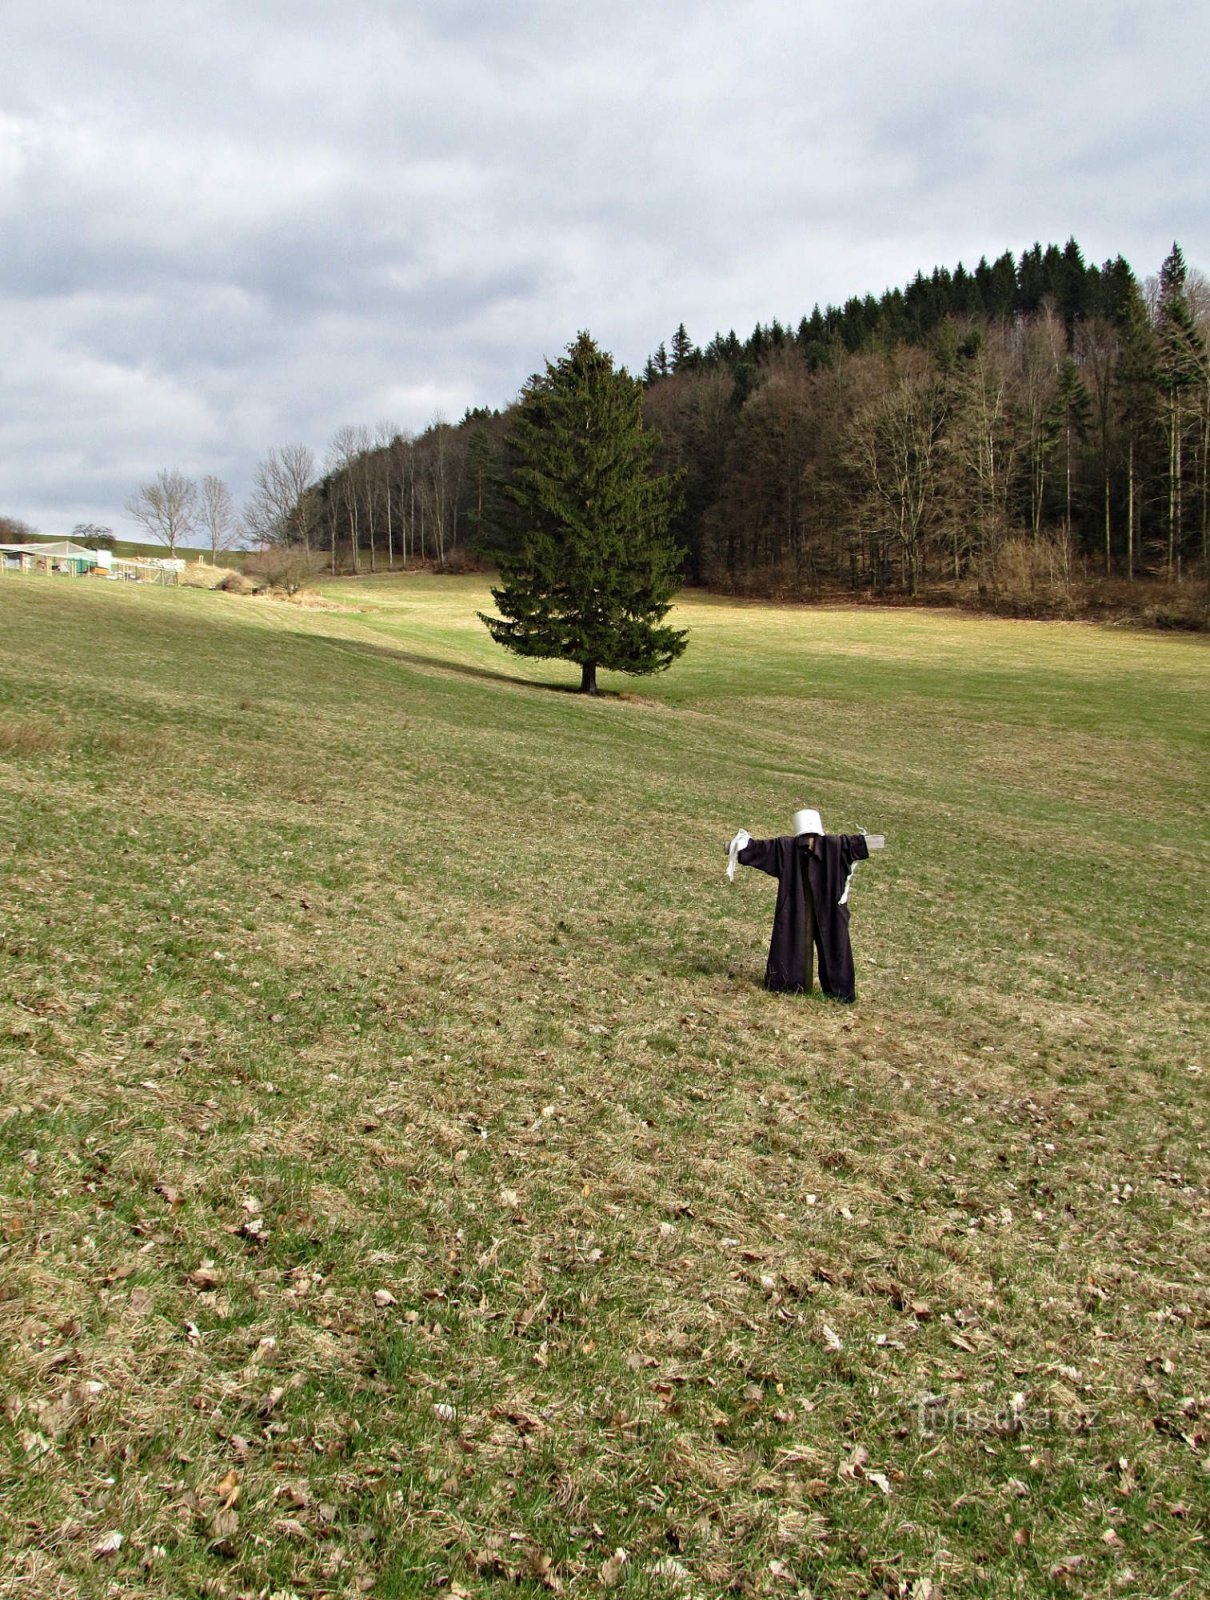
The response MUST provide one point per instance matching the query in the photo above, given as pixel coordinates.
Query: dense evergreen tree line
(1001, 427)
(1005, 290)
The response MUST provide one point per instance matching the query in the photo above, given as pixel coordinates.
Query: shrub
(1154, 602)
(197, 575)
(460, 560)
(283, 567)
(236, 583)
(1030, 578)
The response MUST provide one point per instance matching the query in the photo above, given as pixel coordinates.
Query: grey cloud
(228, 226)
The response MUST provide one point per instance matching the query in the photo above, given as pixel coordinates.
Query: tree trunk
(1206, 514)
(1174, 484)
(370, 520)
(588, 677)
(1067, 481)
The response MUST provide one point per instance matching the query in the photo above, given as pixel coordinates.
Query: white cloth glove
(742, 838)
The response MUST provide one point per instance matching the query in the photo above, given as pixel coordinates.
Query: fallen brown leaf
(612, 1568)
(224, 1523)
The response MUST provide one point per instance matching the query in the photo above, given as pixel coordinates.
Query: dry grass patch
(203, 575)
(21, 738)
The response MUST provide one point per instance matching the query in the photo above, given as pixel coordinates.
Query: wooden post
(808, 963)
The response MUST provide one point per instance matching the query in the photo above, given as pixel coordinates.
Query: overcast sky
(227, 225)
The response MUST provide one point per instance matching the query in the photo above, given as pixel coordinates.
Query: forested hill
(1011, 433)
(1003, 290)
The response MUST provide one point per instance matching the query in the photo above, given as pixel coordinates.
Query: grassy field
(407, 1187)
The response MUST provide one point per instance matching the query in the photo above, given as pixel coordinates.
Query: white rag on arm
(742, 838)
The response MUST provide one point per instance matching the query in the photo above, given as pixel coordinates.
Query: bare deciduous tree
(440, 453)
(94, 535)
(984, 451)
(895, 448)
(279, 509)
(346, 451)
(217, 515)
(166, 508)
(388, 437)
(1039, 347)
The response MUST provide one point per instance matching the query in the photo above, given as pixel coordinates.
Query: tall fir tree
(657, 366)
(683, 353)
(480, 471)
(1072, 419)
(1136, 392)
(595, 569)
(1180, 369)
(1098, 353)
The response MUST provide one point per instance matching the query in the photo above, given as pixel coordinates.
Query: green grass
(406, 1186)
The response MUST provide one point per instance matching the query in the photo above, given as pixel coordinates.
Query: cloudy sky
(228, 225)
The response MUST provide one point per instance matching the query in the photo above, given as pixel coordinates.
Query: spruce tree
(1136, 392)
(1071, 417)
(683, 353)
(1180, 372)
(594, 570)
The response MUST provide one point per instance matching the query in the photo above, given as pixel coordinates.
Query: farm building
(73, 560)
(59, 555)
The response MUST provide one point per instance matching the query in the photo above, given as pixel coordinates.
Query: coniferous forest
(1031, 434)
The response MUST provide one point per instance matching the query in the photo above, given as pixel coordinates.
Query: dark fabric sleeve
(852, 848)
(760, 853)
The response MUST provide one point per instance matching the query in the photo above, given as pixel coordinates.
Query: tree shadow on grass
(457, 669)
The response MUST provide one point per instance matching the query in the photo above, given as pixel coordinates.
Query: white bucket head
(808, 822)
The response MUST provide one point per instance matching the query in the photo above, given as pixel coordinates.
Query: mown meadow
(407, 1187)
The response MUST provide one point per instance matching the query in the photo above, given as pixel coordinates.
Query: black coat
(818, 866)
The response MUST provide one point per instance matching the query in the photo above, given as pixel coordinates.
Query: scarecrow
(814, 871)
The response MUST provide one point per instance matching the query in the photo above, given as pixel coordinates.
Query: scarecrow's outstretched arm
(745, 851)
